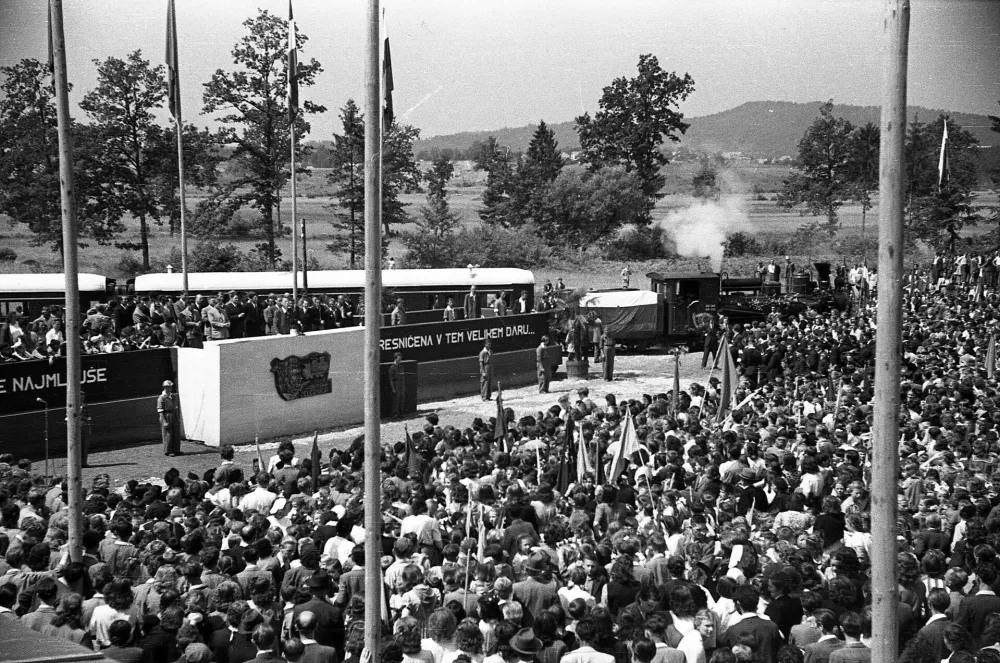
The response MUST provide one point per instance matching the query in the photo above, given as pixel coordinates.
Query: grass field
(740, 209)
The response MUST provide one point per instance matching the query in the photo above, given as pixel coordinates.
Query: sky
(466, 65)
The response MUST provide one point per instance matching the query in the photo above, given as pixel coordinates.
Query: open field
(739, 210)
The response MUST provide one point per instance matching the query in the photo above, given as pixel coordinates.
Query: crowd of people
(739, 532)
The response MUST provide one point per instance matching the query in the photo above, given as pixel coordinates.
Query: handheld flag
(173, 67)
(293, 68)
(568, 467)
(387, 115)
(582, 459)
(412, 458)
(481, 547)
(991, 357)
(629, 445)
(730, 379)
(676, 400)
(260, 456)
(500, 429)
(316, 459)
(944, 166)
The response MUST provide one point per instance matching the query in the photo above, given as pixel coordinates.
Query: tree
(29, 161)
(636, 115)
(581, 209)
(430, 245)
(540, 167)
(824, 181)
(252, 100)
(399, 175)
(937, 214)
(133, 145)
(995, 176)
(705, 180)
(495, 159)
(863, 167)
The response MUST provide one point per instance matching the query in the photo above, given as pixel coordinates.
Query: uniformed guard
(166, 407)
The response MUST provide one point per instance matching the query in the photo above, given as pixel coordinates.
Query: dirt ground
(635, 375)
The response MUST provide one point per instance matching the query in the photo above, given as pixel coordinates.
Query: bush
(637, 243)
(483, 245)
(853, 245)
(209, 256)
(741, 244)
(7, 254)
(130, 264)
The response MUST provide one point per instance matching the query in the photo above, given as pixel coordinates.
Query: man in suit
(328, 628)
(216, 319)
(314, 652)
(542, 366)
(586, 632)
(932, 538)
(472, 309)
(764, 631)
(975, 609)
(784, 610)
(931, 637)
(853, 651)
(819, 651)
(263, 639)
(486, 370)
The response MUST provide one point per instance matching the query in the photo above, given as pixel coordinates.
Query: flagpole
(174, 73)
(888, 336)
(70, 269)
(292, 74)
(373, 322)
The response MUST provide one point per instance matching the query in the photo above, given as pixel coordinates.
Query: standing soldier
(626, 276)
(486, 370)
(397, 385)
(542, 364)
(608, 341)
(166, 407)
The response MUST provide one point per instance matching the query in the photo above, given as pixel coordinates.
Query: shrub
(7, 254)
(741, 244)
(637, 243)
(483, 245)
(130, 264)
(209, 256)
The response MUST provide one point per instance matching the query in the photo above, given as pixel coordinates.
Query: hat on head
(537, 563)
(197, 652)
(525, 642)
(168, 383)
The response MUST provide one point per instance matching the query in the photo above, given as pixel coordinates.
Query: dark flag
(676, 396)
(991, 357)
(730, 380)
(567, 471)
(293, 68)
(173, 68)
(500, 429)
(52, 51)
(387, 115)
(315, 457)
(412, 457)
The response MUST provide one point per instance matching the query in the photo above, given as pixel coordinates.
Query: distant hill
(760, 129)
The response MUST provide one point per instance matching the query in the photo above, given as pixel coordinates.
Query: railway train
(420, 289)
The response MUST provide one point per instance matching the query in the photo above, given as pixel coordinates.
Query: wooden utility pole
(373, 321)
(888, 336)
(72, 306)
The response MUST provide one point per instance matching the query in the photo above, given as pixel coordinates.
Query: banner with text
(106, 377)
(463, 338)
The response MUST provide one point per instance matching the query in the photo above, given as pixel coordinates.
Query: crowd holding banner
(727, 521)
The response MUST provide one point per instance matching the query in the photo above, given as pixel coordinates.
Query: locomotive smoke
(700, 231)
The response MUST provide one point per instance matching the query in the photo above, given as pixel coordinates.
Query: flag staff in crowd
(944, 164)
(71, 269)
(293, 107)
(174, 104)
(373, 322)
(889, 336)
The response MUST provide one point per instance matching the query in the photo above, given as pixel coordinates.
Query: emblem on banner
(301, 377)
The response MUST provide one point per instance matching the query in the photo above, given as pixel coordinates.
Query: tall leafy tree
(636, 115)
(29, 161)
(995, 176)
(536, 171)
(705, 181)
(489, 155)
(863, 166)
(430, 245)
(938, 212)
(122, 108)
(399, 175)
(252, 101)
(823, 181)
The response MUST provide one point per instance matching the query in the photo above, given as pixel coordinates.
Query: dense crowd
(739, 532)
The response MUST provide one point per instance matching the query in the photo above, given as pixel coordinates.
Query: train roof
(331, 279)
(664, 276)
(50, 282)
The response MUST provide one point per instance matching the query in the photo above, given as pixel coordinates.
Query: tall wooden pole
(72, 306)
(295, 234)
(373, 321)
(180, 174)
(888, 337)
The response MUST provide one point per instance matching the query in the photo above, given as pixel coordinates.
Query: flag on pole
(52, 52)
(260, 456)
(293, 68)
(628, 445)
(570, 461)
(500, 428)
(412, 457)
(991, 357)
(481, 546)
(315, 457)
(944, 166)
(173, 67)
(387, 115)
(831, 395)
(730, 379)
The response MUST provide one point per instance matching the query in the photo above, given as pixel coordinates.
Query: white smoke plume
(700, 230)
